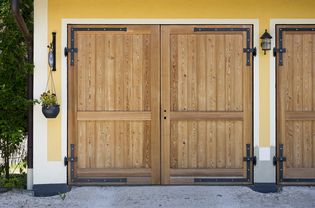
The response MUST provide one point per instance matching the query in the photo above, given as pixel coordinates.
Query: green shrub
(14, 181)
(14, 70)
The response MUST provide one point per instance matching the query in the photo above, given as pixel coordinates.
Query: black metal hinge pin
(280, 159)
(254, 159)
(70, 50)
(67, 160)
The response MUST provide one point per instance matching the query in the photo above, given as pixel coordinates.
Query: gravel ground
(164, 196)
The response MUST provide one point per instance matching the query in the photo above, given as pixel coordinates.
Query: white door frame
(64, 83)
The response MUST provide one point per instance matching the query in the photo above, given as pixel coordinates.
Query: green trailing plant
(14, 70)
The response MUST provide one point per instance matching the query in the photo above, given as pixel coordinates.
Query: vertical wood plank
(82, 146)
(238, 145)
(230, 102)
(119, 144)
(287, 100)
(82, 64)
(156, 106)
(174, 128)
(211, 99)
(146, 74)
(297, 98)
(182, 100)
(99, 145)
(146, 163)
(118, 100)
(307, 99)
(221, 99)
(100, 73)
(119, 72)
(128, 145)
(110, 72)
(174, 145)
(90, 74)
(108, 127)
(128, 71)
(174, 72)
(238, 73)
(192, 101)
(202, 101)
(165, 93)
(90, 142)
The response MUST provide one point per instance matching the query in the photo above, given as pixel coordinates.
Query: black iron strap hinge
(250, 50)
(248, 159)
(281, 51)
(280, 159)
(71, 51)
(71, 159)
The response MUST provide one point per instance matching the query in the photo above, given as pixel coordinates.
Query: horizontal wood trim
(190, 180)
(300, 115)
(105, 172)
(299, 173)
(189, 29)
(130, 181)
(207, 172)
(206, 115)
(109, 116)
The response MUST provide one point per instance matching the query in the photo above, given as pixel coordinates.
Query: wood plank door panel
(206, 104)
(296, 103)
(113, 95)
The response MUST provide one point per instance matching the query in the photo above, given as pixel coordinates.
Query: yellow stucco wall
(222, 9)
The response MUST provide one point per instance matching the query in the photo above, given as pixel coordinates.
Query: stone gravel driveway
(164, 196)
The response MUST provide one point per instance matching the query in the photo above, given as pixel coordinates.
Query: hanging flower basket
(50, 111)
(48, 99)
(50, 107)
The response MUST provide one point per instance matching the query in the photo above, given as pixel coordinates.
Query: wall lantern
(52, 53)
(266, 42)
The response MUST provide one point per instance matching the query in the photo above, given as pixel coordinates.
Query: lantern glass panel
(266, 44)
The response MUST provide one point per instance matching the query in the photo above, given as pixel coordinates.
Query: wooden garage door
(206, 104)
(296, 103)
(113, 104)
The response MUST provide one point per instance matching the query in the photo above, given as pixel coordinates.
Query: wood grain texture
(207, 90)
(113, 103)
(296, 103)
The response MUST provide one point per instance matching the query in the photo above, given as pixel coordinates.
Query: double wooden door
(296, 104)
(151, 104)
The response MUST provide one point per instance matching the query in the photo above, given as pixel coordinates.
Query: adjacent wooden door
(206, 104)
(296, 103)
(113, 104)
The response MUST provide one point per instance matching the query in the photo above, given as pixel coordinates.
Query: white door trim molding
(44, 172)
(64, 83)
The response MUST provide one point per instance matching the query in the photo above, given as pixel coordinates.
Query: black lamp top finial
(266, 35)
